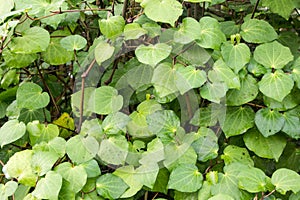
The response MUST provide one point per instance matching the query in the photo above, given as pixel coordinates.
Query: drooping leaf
(114, 150)
(112, 27)
(285, 180)
(105, 100)
(81, 149)
(152, 54)
(33, 40)
(75, 175)
(276, 85)
(252, 180)
(48, 187)
(270, 147)
(247, 92)
(258, 31)
(73, 42)
(206, 145)
(30, 95)
(167, 11)
(282, 7)
(237, 120)
(269, 121)
(236, 56)
(211, 34)
(103, 52)
(188, 31)
(185, 178)
(273, 55)
(11, 131)
(110, 186)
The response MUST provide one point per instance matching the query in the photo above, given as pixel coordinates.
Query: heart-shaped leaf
(30, 95)
(252, 180)
(133, 31)
(112, 27)
(188, 31)
(214, 91)
(152, 54)
(103, 52)
(285, 180)
(73, 42)
(11, 131)
(8, 189)
(276, 85)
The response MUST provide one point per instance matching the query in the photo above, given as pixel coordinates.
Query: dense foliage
(150, 99)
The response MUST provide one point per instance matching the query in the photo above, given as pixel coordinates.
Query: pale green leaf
(189, 30)
(228, 186)
(247, 92)
(110, 186)
(8, 189)
(40, 132)
(154, 153)
(92, 168)
(211, 34)
(114, 123)
(206, 146)
(237, 120)
(43, 161)
(296, 72)
(282, 7)
(30, 95)
(153, 28)
(105, 100)
(18, 60)
(33, 40)
(276, 85)
(112, 27)
(285, 179)
(270, 147)
(75, 175)
(73, 42)
(235, 154)
(269, 121)
(258, 31)
(273, 55)
(152, 54)
(252, 180)
(185, 178)
(11, 131)
(221, 197)
(103, 52)
(214, 91)
(133, 31)
(167, 11)
(236, 56)
(114, 150)
(292, 125)
(81, 149)
(188, 78)
(48, 187)
(6, 6)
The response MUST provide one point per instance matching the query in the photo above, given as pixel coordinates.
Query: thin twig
(254, 9)
(125, 6)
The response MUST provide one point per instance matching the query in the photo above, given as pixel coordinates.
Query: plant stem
(254, 9)
(125, 6)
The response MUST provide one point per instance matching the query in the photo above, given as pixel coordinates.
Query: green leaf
(73, 42)
(19, 167)
(229, 28)
(110, 186)
(11, 131)
(152, 54)
(270, 147)
(133, 31)
(236, 56)
(247, 92)
(43, 161)
(285, 180)
(235, 154)
(164, 80)
(252, 180)
(167, 11)
(18, 60)
(8, 189)
(189, 30)
(103, 52)
(221, 197)
(276, 85)
(296, 72)
(112, 27)
(188, 78)
(76, 101)
(227, 186)
(206, 146)
(193, 54)
(5, 7)
(269, 121)
(282, 7)
(222, 73)
(105, 100)
(27, 115)
(92, 168)
(75, 175)
(185, 178)
(213, 91)
(81, 149)
(273, 55)
(33, 40)
(30, 95)
(154, 153)
(114, 150)
(114, 123)
(292, 125)
(211, 34)
(48, 187)
(40, 132)
(237, 120)
(258, 31)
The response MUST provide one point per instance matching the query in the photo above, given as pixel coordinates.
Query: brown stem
(109, 80)
(125, 6)
(254, 9)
